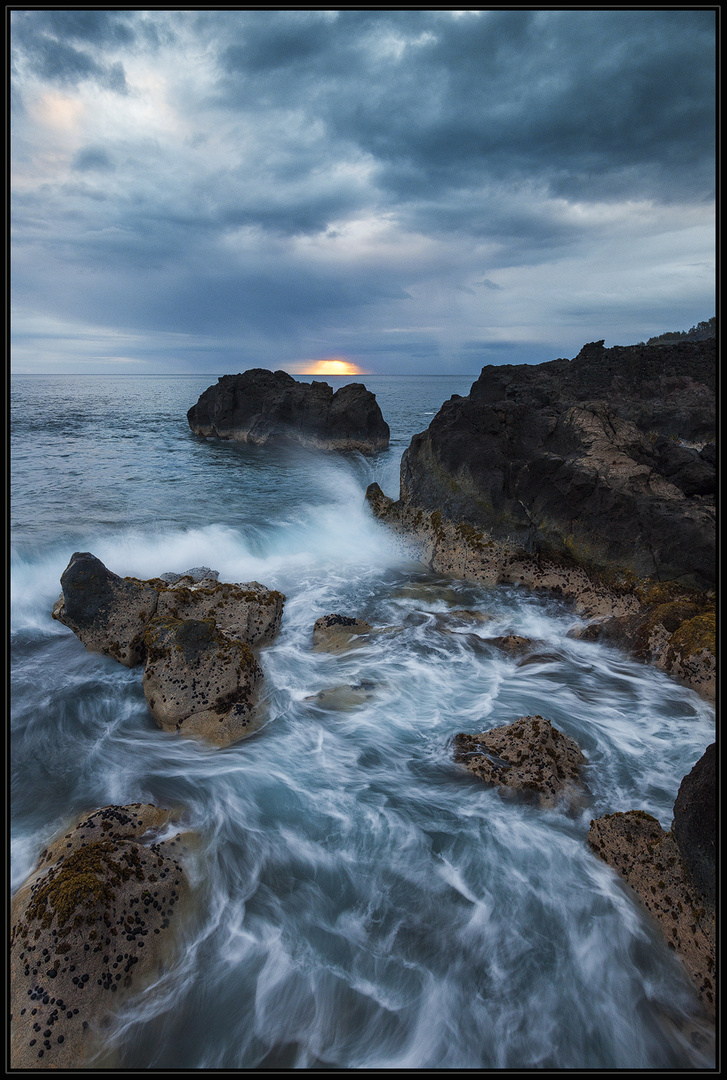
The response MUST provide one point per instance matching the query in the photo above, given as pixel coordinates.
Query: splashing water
(360, 901)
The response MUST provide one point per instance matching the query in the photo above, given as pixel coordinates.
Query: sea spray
(360, 900)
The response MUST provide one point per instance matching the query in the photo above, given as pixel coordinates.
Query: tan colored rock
(198, 680)
(338, 633)
(343, 698)
(530, 757)
(247, 612)
(513, 644)
(108, 614)
(94, 921)
(648, 859)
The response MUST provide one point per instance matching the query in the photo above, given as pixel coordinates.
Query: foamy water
(360, 901)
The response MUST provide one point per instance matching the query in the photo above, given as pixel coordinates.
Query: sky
(405, 192)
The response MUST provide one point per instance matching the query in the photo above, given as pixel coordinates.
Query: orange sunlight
(333, 366)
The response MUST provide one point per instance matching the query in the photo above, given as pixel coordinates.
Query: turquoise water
(360, 902)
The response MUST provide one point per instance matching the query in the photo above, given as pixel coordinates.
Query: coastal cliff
(592, 477)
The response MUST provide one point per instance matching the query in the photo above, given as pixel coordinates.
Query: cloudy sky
(412, 191)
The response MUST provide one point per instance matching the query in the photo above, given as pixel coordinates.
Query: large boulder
(248, 612)
(106, 612)
(192, 631)
(260, 407)
(110, 614)
(95, 920)
(529, 756)
(200, 681)
(580, 459)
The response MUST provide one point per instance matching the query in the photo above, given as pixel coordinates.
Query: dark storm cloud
(579, 99)
(92, 159)
(323, 173)
(49, 43)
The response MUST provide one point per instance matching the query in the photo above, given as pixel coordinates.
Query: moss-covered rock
(94, 921)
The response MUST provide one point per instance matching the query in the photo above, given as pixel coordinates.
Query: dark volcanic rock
(695, 823)
(261, 406)
(579, 459)
(95, 920)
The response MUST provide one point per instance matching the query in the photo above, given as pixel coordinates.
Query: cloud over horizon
(413, 190)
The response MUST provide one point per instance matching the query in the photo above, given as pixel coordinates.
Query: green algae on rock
(95, 920)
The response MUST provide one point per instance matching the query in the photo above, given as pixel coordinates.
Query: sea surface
(360, 900)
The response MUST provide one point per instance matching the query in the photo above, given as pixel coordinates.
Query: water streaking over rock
(358, 899)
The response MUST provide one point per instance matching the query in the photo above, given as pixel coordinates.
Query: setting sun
(334, 365)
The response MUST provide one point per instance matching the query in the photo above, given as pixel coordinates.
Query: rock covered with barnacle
(529, 756)
(95, 919)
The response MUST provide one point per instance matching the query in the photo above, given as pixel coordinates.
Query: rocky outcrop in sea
(674, 872)
(95, 920)
(193, 633)
(261, 407)
(592, 477)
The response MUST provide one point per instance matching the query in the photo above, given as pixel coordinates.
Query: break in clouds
(416, 191)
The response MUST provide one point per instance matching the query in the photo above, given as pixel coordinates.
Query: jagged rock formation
(594, 477)
(261, 407)
(529, 756)
(95, 919)
(192, 632)
(673, 873)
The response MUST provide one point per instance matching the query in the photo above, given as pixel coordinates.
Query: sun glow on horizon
(334, 365)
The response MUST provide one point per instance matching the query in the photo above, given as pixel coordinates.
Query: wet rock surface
(695, 823)
(94, 921)
(578, 458)
(593, 478)
(106, 612)
(260, 407)
(192, 632)
(197, 680)
(338, 633)
(529, 756)
(248, 612)
(649, 860)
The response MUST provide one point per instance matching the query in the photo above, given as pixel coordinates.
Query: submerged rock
(260, 407)
(530, 757)
(95, 920)
(343, 698)
(338, 633)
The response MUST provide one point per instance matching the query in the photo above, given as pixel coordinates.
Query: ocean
(360, 900)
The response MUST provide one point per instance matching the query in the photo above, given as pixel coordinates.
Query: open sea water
(360, 900)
